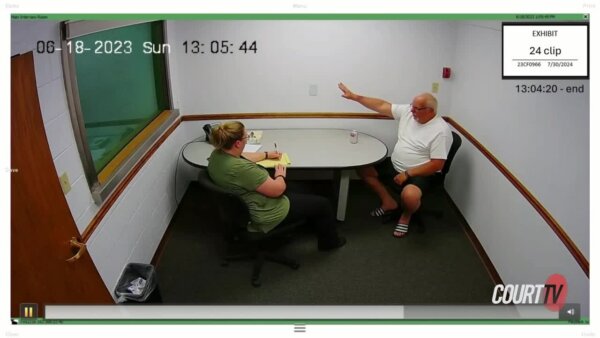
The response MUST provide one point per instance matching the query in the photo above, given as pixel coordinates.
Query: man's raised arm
(378, 105)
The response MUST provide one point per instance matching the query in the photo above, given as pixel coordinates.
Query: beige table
(311, 149)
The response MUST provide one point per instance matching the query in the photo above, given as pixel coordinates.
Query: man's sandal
(401, 230)
(381, 212)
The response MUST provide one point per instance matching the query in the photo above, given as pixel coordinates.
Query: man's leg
(411, 201)
(371, 177)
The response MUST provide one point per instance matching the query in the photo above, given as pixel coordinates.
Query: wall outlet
(313, 90)
(435, 87)
(64, 183)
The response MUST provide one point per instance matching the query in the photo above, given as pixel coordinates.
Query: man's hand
(347, 94)
(400, 178)
(378, 105)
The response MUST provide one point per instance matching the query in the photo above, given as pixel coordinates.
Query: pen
(275, 143)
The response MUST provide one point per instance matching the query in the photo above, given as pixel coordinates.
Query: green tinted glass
(121, 88)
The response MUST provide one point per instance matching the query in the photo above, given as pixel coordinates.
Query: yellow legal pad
(284, 159)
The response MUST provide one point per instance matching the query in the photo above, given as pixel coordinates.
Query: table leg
(343, 194)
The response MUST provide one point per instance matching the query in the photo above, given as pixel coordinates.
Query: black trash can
(138, 284)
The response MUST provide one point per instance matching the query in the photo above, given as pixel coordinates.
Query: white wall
(518, 241)
(134, 226)
(543, 140)
(388, 59)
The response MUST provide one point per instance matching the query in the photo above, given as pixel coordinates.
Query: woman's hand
(280, 170)
(274, 187)
(273, 155)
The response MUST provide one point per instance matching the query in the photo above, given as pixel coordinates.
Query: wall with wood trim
(543, 139)
(134, 226)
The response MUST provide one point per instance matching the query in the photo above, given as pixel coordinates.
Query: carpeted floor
(438, 266)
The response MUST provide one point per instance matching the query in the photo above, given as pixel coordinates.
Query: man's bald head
(427, 100)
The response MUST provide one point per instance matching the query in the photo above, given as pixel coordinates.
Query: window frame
(102, 189)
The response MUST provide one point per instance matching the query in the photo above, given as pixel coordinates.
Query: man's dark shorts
(386, 173)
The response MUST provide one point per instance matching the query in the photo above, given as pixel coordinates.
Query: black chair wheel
(256, 283)
(295, 266)
(224, 263)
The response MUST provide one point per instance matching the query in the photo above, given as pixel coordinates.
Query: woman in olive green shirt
(232, 169)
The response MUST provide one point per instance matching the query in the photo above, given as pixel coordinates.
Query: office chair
(233, 217)
(438, 186)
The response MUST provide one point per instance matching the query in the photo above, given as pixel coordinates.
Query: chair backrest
(456, 142)
(231, 209)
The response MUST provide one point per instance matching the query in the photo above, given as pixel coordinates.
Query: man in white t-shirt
(424, 140)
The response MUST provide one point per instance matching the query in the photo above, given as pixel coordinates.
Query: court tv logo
(553, 293)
